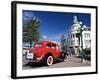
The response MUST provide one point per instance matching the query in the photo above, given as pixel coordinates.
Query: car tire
(65, 58)
(49, 60)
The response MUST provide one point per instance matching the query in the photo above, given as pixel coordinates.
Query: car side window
(53, 46)
(37, 45)
(57, 47)
(48, 45)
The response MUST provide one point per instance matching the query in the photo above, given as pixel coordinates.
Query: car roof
(45, 42)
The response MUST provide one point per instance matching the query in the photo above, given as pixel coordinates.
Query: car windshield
(37, 45)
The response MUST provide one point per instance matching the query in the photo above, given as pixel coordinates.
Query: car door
(55, 50)
(49, 48)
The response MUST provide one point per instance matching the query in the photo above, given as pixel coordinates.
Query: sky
(54, 24)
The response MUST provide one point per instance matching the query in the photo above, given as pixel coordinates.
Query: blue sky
(54, 24)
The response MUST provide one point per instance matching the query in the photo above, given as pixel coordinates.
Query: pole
(82, 50)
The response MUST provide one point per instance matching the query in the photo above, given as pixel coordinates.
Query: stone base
(83, 61)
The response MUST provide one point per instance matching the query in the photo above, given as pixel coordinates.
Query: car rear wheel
(65, 58)
(49, 60)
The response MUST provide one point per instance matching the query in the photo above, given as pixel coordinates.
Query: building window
(78, 42)
(73, 35)
(87, 42)
(87, 35)
(71, 42)
(77, 34)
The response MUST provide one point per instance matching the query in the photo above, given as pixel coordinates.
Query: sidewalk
(75, 61)
(72, 62)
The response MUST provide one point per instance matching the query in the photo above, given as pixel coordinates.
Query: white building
(86, 38)
(75, 39)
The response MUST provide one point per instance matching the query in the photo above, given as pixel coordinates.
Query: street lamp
(78, 26)
(82, 50)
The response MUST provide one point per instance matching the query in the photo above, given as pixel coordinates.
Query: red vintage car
(45, 52)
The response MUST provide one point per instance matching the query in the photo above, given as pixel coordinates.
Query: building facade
(75, 37)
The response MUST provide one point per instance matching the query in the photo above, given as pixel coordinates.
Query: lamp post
(82, 50)
(78, 27)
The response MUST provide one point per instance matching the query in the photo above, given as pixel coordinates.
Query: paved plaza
(73, 61)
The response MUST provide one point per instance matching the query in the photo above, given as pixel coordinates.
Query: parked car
(46, 52)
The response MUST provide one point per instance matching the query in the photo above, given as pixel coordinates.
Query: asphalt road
(72, 62)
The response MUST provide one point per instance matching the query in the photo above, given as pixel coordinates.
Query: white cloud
(44, 37)
(54, 38)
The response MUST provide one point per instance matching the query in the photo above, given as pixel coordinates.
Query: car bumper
(35, 60)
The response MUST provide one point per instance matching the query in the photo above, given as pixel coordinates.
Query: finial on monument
(75, 17)
(75, 20)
